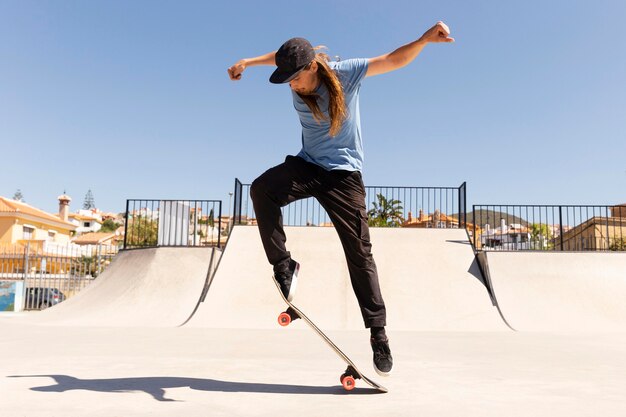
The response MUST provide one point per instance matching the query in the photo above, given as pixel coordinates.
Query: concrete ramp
(142, 287)
(563, 292)
(428, 277)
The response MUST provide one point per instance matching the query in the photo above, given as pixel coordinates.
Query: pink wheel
(348, 382)
(284, 319)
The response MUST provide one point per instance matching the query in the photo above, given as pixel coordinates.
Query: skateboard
(352, 373)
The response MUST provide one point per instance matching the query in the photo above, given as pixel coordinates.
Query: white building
(512, 237)
(86, 221)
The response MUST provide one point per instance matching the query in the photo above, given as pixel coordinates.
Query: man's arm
(237, 70)
(407, 53)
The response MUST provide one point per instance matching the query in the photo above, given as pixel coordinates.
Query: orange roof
(416, 222)
(429, 217)
(93, 238)
(16, 207)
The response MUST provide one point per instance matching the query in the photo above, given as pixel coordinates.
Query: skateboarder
(326, 97)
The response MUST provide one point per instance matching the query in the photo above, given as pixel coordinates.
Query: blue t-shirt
(345, 150)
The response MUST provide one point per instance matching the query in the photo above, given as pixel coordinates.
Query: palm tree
(385, 213)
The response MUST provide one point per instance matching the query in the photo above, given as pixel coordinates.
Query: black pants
(342, 195)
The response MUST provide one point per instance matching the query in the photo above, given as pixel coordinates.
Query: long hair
(337, 111)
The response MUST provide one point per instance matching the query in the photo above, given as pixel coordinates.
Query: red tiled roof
(429, 217)
(16, 207)
(93, 238)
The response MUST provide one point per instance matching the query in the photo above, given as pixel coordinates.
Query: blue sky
(131, 98)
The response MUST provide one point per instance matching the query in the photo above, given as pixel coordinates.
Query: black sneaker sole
(381, 373)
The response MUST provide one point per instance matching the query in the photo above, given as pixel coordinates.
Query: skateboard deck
(348, 378)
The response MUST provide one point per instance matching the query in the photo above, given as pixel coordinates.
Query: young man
(326, 97)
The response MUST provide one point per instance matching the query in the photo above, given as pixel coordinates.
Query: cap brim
(281, 77)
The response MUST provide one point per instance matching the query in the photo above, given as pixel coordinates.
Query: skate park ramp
(429, 280)
(156, 287)
(562, 292)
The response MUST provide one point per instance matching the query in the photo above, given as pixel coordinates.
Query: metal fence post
(561, 227)
(240, 210)
(97, 269)
(474, 224)
(463, 205)
(460, 212)
(238, 201)
(219, 226)
(234, 207)
(126, 224)
(25, 273)
(608, 231)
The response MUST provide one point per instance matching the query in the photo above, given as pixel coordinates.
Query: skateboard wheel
(284, 319)
(348, 382)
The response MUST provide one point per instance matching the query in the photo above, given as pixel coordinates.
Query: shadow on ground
(156, 386)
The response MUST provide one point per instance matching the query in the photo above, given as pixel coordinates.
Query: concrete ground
(79, 371)
(115, 350)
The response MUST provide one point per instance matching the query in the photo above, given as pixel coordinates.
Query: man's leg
(274, 189)
(342, 195)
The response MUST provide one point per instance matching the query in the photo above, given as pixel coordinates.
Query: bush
(618, 245)
(109, 226)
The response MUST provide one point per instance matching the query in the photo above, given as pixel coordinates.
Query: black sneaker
(288, 280)
(383, 362)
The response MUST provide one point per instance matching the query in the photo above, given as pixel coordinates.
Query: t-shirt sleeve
(351, 72)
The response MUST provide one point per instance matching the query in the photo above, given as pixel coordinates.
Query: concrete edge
(483, 265)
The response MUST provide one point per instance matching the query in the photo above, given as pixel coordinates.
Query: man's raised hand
(438, 33)
(236, 71)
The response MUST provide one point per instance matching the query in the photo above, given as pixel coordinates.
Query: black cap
(291, 58)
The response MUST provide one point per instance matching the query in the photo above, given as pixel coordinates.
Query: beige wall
(597, 234)
(12, 230)
(5, 230)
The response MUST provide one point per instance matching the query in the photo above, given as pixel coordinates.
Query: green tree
(109, 226)
(89, 202)
(18, 196)
(142, 231)
(88, 265)
(385, 213)
(211, 219)
(540, 236)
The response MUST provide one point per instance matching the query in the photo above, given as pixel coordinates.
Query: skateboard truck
(348, 378)
(285, 318)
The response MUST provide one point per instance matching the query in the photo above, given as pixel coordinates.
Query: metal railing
(548, 227)
(151, 223)
(388, 206)
(51, 276)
